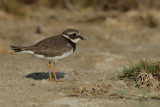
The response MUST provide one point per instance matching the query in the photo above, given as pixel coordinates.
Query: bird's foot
(51, 79)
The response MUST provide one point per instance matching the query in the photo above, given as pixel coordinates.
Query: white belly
(51, 58)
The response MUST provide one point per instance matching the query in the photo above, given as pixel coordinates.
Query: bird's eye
(74, 34)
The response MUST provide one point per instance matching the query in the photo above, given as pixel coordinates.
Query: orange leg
(55, 77)
(49, 69)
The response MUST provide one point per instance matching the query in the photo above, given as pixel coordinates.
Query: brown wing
(51, 46)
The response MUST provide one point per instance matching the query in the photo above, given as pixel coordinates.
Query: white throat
(73, 40)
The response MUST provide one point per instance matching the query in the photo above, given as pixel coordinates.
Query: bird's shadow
(44, 75)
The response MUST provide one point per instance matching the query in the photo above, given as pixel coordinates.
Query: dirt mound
(90, 88)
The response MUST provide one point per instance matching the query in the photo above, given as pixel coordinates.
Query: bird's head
(73, 35)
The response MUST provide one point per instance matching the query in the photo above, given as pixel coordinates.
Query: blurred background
(20, 6)
(22, 18)
(118, 32)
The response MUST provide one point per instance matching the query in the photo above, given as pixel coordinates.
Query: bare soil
(89, 76)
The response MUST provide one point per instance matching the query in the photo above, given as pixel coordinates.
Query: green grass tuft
(131, 73)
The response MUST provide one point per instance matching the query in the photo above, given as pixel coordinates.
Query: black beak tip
(82, 38)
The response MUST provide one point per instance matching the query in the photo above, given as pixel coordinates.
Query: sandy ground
(90, 75)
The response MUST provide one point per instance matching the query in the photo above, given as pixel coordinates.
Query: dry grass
(145, 75)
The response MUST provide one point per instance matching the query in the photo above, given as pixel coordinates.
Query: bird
(53, 48)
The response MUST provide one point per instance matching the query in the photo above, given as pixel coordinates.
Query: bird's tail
(16, 48)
